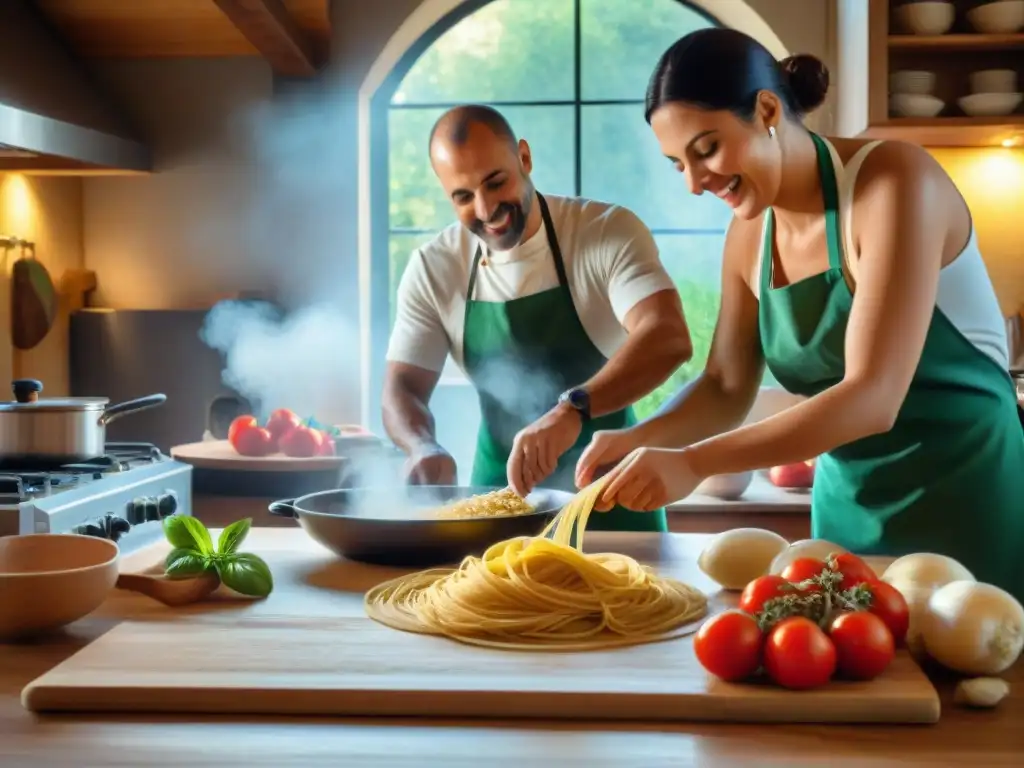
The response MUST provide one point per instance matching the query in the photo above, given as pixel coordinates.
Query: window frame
(380, 229)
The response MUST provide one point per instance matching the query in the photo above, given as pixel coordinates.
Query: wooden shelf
(951, 131)
(968, 42)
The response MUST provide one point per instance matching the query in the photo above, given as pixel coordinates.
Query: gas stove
(122, 496)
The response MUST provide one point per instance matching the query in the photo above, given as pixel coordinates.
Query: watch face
(578, 398)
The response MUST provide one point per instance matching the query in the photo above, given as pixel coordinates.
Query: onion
(974, 628)
(917, 604)
(737, 557)
(925, 570)
(819, 549)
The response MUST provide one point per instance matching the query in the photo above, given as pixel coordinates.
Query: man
(557, 309)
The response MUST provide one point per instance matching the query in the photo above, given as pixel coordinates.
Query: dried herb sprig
(818, 598)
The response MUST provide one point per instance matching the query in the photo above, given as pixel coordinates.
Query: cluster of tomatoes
(284, 432)
(816, 620)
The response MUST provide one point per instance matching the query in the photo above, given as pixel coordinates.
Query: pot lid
(26, 398)
(57, 405)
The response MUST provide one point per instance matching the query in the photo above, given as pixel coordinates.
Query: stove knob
(152, 509)
(167, 504)
(89, 529)
(117, 527)
(135, 511)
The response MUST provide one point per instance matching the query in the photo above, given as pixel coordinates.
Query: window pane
(622, 40)
(510, 50)
(622, 163)
(416, 199)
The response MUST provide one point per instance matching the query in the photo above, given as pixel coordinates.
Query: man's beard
(517, 214)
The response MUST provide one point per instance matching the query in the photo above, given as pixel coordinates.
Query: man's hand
(538, 447)
(430, 465)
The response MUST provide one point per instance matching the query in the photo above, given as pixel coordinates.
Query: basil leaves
(194, 554)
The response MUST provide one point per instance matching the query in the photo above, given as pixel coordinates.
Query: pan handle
(283, 508)
(131, 406)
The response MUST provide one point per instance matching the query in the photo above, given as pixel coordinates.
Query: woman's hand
(649, 478)
(607, 448)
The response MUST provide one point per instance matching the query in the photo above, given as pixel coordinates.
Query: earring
(771, 131)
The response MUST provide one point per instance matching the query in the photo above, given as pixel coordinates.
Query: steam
(518, 389)
(307, 361)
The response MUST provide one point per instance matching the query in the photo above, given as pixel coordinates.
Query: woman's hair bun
(808, 81)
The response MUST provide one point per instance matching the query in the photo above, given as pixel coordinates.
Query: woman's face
(717, 152)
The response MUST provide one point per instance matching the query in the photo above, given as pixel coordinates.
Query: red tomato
(855, 571)
(281, 422)
(760, 591)
(797, 475)
(803, 568)
(253, 441)
(864, 645)
(729, 645)
(240, 423)
(301, 442)
(326, 446)
(797, 654)
(888, 604)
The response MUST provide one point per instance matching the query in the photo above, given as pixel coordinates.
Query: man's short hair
(453, 126)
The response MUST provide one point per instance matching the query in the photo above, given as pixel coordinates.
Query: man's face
(488, 181)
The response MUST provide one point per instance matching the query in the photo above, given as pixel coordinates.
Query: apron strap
(830, 192)
(556, 252)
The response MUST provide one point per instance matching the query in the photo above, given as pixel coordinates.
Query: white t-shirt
(611, 263)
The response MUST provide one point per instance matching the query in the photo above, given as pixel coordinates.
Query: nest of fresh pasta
(541, 593)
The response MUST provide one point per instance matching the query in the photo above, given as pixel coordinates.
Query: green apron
(521, 355)
(949, 476)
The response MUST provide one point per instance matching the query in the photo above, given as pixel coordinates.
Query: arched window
(570, 76)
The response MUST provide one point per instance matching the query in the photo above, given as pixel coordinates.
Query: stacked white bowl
(911, 94)
(926, 18)
(1002, 17)
(994, 92)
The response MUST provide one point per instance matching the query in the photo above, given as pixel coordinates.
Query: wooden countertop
(988, 738)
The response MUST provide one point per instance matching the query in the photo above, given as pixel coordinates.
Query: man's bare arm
(658, 343)
(405, 404)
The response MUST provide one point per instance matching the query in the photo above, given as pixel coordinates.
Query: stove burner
(18, 483)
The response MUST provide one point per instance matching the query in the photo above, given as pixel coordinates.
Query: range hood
(53, 118)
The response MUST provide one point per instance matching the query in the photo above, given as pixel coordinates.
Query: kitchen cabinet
(874, 42)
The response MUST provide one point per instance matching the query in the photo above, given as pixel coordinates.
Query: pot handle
(130, 406)
(283, 508)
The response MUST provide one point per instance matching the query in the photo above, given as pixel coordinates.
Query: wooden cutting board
(218, 454)
(291, 665)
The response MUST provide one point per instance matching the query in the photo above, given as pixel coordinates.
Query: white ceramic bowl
(931, 18)
(1001, 17)
(48, 580)
(912, 81)
(727, 487)
(994, 81)
(990, 104)
(915, 105)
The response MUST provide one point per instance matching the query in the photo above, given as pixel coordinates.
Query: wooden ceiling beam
(268, 26)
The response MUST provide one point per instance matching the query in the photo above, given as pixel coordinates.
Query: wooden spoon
(173, 592)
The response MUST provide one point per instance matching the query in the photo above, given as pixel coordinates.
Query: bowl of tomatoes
(284, 433)
(817, 621)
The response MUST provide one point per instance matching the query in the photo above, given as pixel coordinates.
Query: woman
(852, 269)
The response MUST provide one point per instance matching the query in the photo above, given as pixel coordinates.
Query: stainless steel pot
(59, 430)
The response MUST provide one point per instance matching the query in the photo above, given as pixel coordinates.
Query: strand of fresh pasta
(542, 594)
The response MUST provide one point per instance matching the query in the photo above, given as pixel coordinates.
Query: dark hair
(720, 68)
(456, 122)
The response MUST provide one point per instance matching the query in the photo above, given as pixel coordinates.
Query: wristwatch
(577, 398)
